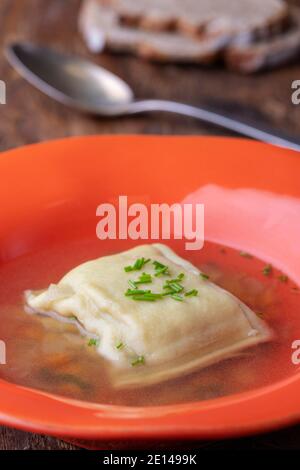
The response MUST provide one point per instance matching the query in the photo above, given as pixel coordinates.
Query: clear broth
(46, 354)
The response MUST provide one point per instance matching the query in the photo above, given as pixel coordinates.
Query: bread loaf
(201, 16)
(101, 28)
(249, 34)
(267, 53)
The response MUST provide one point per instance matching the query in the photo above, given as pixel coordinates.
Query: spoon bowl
(71, 80)
(88, 87)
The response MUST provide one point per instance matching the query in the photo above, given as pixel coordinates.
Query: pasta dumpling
(150, 308)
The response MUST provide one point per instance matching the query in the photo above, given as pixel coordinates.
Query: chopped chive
(177, 297)
(174, 286)
(132, 284)
(72, 317)
(158, 265)
(144, 279)
(127, 269)
(204, 276)
(191, 293)
(141, 298)
(120, 345)
(148, 297)
(168, 291)
(176, 279)
(160, 269)
(139, 263)
(138, 361)
(267, 270)
(283, 278)
(130, 292)
(245, 254)
(93, 342)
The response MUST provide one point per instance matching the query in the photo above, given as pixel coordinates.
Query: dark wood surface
(30, 117)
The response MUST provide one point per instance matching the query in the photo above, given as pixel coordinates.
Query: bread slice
(101, 29)
(267, 53)
(205, 16)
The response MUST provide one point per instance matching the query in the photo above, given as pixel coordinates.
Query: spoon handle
(263, 134)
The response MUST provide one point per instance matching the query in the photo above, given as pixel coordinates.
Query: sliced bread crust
(266, 53)
(205, 17)
(101, 28)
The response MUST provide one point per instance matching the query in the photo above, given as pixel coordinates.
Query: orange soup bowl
(251, 191)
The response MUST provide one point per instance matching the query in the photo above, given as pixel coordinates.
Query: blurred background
(29, 116)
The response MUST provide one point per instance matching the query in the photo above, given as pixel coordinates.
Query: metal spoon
(85, 86)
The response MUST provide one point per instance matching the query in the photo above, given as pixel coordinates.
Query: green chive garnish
(177, 279)
(93, 342)
(176, 286)
(144, 279)
(204, 276)
(130, 292)
(137, 265)
(160, 269)
(267, 270)
(283, 278)
(138, 361)
(158, 265)
(127, 269)
(168, 292)
(147, 297)
(132, 284)
(120, 345)
(173, 286)
(177, 297)
(191, 293)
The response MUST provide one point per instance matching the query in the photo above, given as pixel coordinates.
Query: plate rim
(103, 432)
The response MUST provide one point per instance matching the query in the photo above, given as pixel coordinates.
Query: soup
(52, 356)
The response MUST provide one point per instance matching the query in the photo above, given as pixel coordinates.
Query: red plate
(47, 189)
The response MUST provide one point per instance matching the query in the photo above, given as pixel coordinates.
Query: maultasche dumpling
(152, 309)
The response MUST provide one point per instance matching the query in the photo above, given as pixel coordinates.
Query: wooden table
(31, 117)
